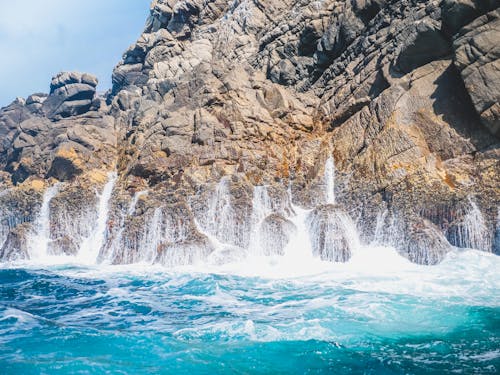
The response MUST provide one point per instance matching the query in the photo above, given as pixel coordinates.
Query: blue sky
(39, 38)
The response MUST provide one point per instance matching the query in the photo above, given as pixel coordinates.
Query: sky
(39, 38)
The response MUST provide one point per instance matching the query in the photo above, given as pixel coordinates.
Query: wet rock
(63, 246)
(331, 233)
(186, 252)
(425, 243)
(16, 247)
(276, 232)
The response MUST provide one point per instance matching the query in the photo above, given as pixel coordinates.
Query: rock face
(477, 57)
(219, 97)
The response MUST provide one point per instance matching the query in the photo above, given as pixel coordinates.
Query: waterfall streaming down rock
(330, 180)
(378, 235)
(299, 246)
(135, 199)
(220, 220)
(472, 231)
(4, 230)
(496, 240)
(125, 249)
(153, 236)
(261, 208)
(39, 238)
(91, 246)
(333, 234)
(261, 204)
(475, 229)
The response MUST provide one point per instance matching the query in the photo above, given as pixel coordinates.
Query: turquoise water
(259, 317)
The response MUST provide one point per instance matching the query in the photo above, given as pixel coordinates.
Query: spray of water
(92, 245)
(291, 236)
(261, 208)
(220, 220)
(475, 231)
(135, 200)
(39, 238)
(329, 178)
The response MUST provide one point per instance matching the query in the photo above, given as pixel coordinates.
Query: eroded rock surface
(217, 97)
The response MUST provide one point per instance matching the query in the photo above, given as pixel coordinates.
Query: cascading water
(261, 208)
(39, 238)
(333, 234)
(92, 245)
(329, 182)
(220, 220)
(299, 247)
(378, 235)
(135, 200)
(153, 235)
(472, 232)
(115, 249)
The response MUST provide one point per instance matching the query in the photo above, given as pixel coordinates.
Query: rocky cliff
(228, 116)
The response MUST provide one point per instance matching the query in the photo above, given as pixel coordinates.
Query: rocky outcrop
(71, 94)
(44, 137)
(477, 58)
(218, 97)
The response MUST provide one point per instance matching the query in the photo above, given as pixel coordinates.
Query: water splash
(261, 208)
(39, 238)
(299, 247)
(92, 245)
(261, 204)
(329, 180)
(152, 238)
(472, 232)
(333, 234)
(135, 200)
(220, 220)
(378, 235)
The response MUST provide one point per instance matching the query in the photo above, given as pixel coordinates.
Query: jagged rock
(71, 94)
(421, 43)
(476, 56)
(458, 13)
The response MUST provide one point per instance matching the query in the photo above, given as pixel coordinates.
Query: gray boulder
(71, 94)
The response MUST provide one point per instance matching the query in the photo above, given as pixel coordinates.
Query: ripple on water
(70, 319)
